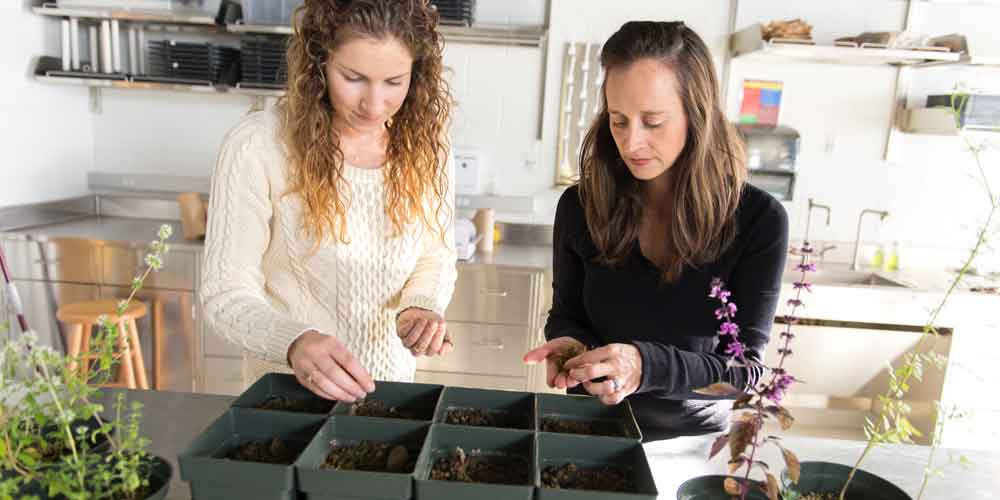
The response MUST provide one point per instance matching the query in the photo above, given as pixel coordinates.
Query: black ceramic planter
(515, 409)
(212, 475)
(273, 386)
(589, 453)
(418, 399)
(159, 479)
(328, 484)
(827, 477)
(475, 441)
(711, 488)
(611, 421)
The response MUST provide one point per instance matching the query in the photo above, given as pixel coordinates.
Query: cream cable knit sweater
(263, 287)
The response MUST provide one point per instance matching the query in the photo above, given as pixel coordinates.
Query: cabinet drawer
(65, 260)
(224, 376)
(121, 264)
(474, 381)
(217, 345)
(482, 349)
(492, 296)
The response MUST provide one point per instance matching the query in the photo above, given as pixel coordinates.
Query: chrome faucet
(812, 205)
(857, 236)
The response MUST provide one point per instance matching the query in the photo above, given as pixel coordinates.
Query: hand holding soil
(556, 353)
(423, 332)
(324, 366)
(617, 366)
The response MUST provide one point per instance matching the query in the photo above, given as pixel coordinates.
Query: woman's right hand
(324, 366)
(556, 352)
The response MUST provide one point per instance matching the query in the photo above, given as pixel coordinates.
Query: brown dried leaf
(718, 445)
(743, 402)
(731, 486)
(772, 487)
(792, 464)
(721, 389)
(740, 436)
(783, 415)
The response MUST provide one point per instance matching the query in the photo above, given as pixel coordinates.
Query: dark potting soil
(586, 427)
(486, 418)
(495, 469)
(375, 408)
(273, 451)
(371, 456)
(281, 403)
(570, 477)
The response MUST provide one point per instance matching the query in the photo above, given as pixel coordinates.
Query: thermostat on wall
(469, 169)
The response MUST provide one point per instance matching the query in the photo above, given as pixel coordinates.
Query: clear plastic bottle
(892, 263)
(878, 259)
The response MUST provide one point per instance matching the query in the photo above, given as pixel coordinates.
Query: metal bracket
(96, 105)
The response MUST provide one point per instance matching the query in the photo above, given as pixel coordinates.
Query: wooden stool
(82, 317)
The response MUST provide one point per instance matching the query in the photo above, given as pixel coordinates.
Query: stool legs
(138, 362)
(127, 368)
(73, 344)
(85, 349)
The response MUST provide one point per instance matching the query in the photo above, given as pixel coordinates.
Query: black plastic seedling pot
(212, 475)
(272, 386)
(594, 454)
(328, 484)
(475, 442)
(610, 421)
(513, 410)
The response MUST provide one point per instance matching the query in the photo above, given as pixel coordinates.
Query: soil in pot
(281, 403)
(371, 456)
(586, 427)
(376, 408)
(570, 477)
(495, 469)
(479, 417)
(273, 451)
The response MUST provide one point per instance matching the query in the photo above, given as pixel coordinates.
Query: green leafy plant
(53, 439)
(892, 423)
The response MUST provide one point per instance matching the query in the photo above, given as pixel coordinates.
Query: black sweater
(673, 325)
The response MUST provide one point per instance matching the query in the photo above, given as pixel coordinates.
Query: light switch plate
(469, 169)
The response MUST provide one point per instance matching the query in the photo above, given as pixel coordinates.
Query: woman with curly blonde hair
(330, 246)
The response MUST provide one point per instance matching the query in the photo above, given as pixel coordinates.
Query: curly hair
(417, 147)
(707, 178)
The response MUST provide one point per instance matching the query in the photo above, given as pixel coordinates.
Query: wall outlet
(469, 171)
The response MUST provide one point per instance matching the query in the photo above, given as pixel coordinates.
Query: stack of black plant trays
(408, 440)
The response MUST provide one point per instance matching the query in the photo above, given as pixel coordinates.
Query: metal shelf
(748, 43)
(935, 121)
(179, 16)
(519, 36)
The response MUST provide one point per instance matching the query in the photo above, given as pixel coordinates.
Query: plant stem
(66, 424)
(929, 330)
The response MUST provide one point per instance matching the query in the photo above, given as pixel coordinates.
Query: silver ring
(614, 383)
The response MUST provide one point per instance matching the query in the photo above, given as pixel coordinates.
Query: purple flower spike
(794, 302)
(724, 296)
(806, 268)
(735, 349)
(802, 285)
(729, 328)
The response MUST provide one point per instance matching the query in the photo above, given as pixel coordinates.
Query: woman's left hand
(423, 332)
(621, 364)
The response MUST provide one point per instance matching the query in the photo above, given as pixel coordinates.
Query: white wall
(842, 112)
(45, 131)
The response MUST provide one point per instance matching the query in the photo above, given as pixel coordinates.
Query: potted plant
(54, 440)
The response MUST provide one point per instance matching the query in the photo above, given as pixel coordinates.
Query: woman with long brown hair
(662, 208)
(330, 246)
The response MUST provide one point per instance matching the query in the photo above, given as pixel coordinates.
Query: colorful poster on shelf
(761, 102)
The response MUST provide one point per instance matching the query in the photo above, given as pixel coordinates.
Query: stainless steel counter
(173, 419)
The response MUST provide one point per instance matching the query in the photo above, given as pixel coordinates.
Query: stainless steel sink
(840, 276)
